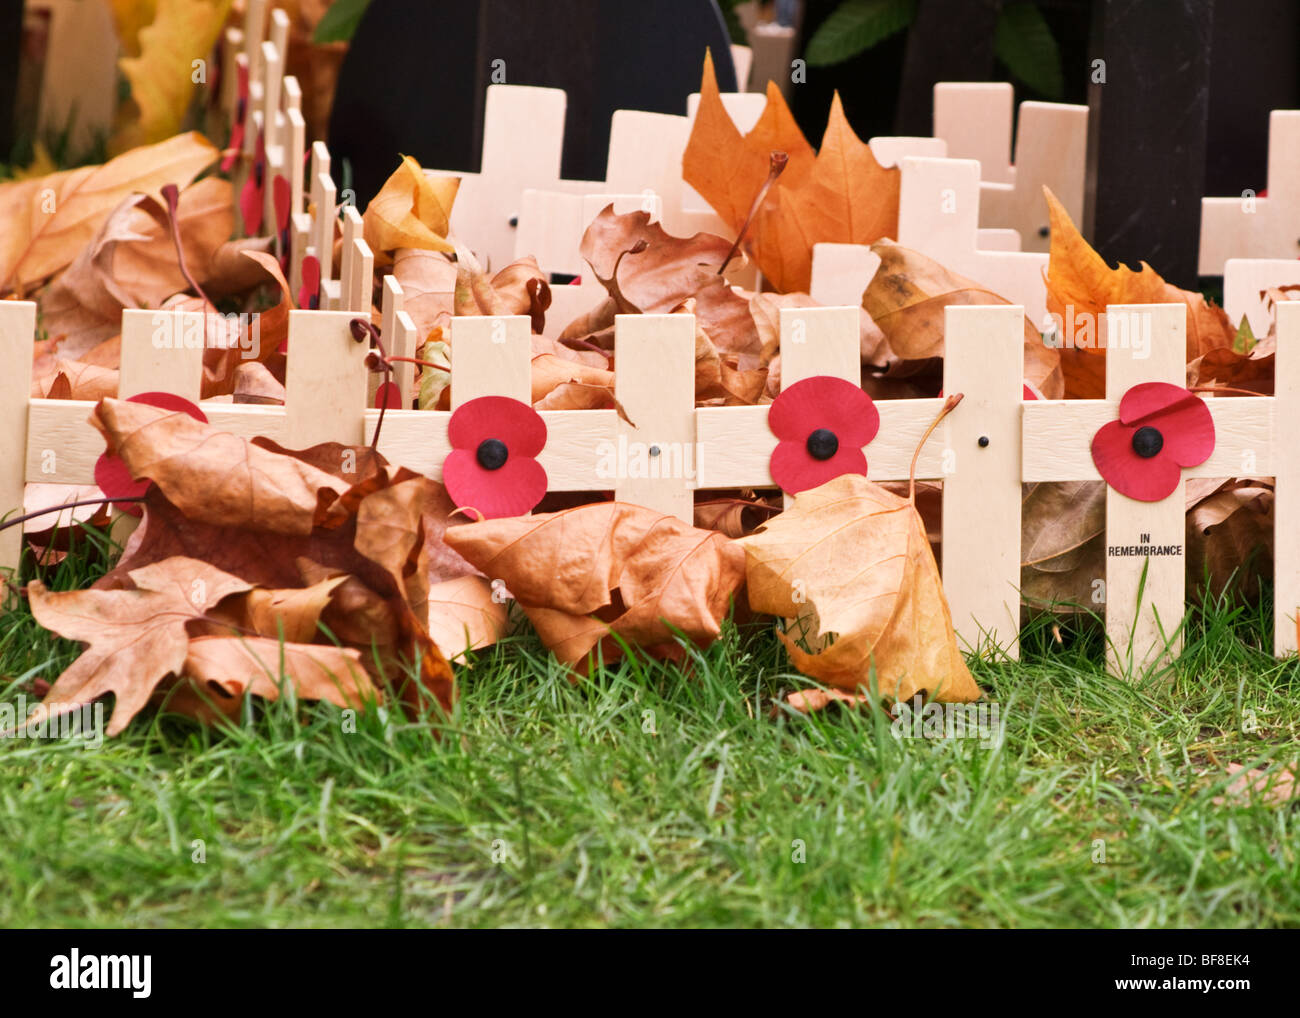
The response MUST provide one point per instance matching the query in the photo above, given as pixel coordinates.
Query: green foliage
(855, 26)
(340, 22)
(1025, 44)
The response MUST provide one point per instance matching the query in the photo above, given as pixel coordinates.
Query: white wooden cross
(1144, 594)
(976, 120)
(1251, 226)
(1244, 283)
(523, 140)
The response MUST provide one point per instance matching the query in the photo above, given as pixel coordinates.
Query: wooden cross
(976, 120)
(938, 215)
(1244, 283)
(523, 139)
(1144, 593)
(1250, 226)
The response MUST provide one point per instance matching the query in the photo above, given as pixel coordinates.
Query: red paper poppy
(252, 197)
(388, 396)
(822, 423)
(492, 470)
(309, 292)
(282, 198)
(1162, 429)
(111, 475)
(237, 129)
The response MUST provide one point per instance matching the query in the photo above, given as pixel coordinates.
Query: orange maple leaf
(839, 194)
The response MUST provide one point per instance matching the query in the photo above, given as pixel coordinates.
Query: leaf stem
(1224, 388)
(361, 328)
(171, 194)
(778, 161)
(949, 405)
(68, 505)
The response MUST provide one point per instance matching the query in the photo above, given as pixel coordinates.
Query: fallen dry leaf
(1266, 786)
(411, 210)
(1080, 285)
(849, 564)
(587, 575)
(50, 220)
(283, 519)
(466, 614)
(841, 195)
(906, 299)
(656, 273)
(136, 637)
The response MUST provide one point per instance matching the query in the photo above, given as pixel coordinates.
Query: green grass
(544, 803)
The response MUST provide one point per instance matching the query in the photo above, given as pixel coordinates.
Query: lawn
(659, 795)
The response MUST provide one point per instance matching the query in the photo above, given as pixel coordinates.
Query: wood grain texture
(490, 356)
(17, 334)
(652, 461)
(841, 272)
(1244, 282)
(322, 200)
(736, 444)
(1145, 594)
(1250, 226)
(1058, 436)
(325, 380)
(1286, 471)
(939, 215)
(162, 351)
(983, 360)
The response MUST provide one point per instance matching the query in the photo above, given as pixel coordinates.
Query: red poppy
(252, 197)
(822, 423)
(492, 468)
(1161, 430)
(309, 292)
(388, 396)
(282, 198)
(237, 129)
(111, 475)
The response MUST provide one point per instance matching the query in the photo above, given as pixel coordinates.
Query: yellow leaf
(411, 210)
(130, 16)
(162, 76)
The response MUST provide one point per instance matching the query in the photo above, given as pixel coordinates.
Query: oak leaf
(849, 565)
(589, 576)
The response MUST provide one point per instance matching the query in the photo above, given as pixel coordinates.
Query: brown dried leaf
(907, 297)
(584, 575)
(850, 565)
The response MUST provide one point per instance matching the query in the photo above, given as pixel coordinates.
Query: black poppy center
(1147, 442)
(822, 444)
(492, 454)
